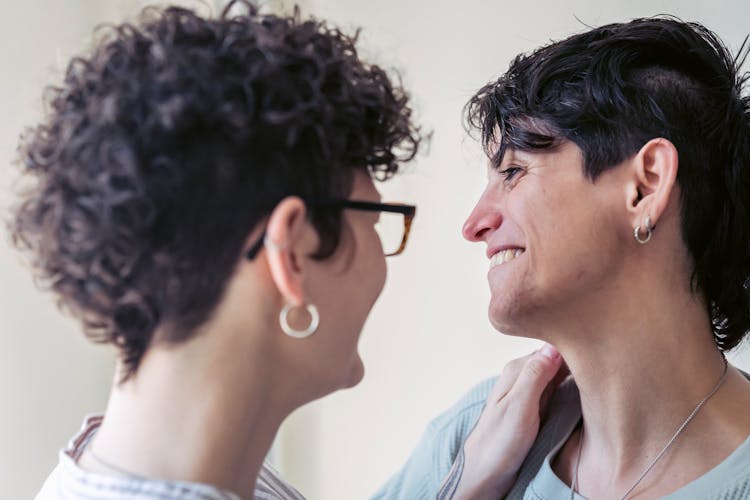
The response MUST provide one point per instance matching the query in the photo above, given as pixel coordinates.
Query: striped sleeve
(270, 486)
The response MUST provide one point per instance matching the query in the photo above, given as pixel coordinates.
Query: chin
(356, 373)
(501, 317)
(506, 329)
(509, 320)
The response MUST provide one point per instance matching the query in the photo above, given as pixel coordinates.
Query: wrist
(485, 473)
(468, 490)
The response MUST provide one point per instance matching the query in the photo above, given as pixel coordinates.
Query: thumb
(536, 374)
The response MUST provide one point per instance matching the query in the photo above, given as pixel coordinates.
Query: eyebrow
(510, 154)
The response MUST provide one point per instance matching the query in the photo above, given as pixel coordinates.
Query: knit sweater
(429, 464)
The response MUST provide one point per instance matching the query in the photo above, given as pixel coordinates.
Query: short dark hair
(612, 89)
(173, 138)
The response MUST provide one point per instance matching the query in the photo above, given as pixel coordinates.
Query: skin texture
(532, 207)
(636, 337)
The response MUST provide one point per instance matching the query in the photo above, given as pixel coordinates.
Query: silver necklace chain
(574, 481)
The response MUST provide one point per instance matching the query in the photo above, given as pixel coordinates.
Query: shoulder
(459, 419)
(423, 472)
(51, 489)
(730, 480)
(68, 481)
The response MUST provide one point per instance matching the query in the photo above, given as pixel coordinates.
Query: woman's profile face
(346, 286)
(553, 236)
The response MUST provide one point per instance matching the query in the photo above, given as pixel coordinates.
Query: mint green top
(730, 480)
(429, 464)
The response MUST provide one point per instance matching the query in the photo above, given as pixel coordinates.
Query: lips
(504, 256)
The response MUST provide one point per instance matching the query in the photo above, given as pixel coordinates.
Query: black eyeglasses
(393, 226)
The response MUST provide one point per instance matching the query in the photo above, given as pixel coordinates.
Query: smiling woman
(594, 141)
(616, 222)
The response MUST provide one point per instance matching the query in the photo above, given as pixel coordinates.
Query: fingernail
(549, 351)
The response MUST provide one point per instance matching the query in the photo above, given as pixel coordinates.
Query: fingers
(537, 373)
(507, 379)
(508, 426)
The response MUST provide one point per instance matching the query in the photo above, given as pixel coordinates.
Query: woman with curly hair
(203, 200)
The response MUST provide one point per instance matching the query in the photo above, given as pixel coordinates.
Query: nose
(483, 219)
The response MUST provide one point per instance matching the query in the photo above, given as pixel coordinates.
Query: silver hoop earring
(299, 334)
(649, 231)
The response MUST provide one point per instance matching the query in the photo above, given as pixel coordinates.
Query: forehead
(563, 150)
(520, 133)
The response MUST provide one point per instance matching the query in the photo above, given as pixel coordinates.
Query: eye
(509, 173)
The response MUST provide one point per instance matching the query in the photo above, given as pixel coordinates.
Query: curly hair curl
(172, 139)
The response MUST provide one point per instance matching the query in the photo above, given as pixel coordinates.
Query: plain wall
(49, 376)
(428, 339)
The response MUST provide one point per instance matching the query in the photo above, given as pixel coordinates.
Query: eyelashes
(510, 173)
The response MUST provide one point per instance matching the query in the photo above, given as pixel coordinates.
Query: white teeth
(505, 256)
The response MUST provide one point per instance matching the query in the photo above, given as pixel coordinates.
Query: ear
(655, 173)
(290, 239)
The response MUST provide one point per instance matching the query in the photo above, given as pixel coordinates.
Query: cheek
(375, 270)
(365, 276)
(579, 241)
(372, 261)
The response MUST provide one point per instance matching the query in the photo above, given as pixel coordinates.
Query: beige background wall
(428, 339)
(48, 375)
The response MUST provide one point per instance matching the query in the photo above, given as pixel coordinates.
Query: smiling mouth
(505, 256)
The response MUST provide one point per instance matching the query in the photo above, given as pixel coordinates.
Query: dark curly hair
(172, 139)
(612, 89)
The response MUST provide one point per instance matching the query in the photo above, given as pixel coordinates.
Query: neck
(640, 376)
(195, 412)
(642, 363)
